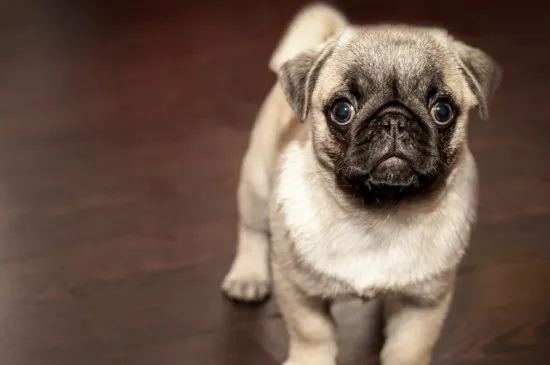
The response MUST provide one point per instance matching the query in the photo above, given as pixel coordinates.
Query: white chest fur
(367, 250)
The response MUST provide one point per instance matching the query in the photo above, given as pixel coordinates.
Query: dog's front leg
(248, 278)
(309, 323)
(412, 329)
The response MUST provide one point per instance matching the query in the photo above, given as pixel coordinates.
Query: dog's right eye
(342, 112)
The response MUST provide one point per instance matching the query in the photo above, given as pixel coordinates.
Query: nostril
(393, 122)
(402, 123)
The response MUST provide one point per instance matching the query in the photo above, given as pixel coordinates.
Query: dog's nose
(394, 123)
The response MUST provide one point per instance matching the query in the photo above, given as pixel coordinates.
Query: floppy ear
(483, 75)
(298, 77)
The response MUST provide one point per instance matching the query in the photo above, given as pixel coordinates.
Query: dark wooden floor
(122, 126)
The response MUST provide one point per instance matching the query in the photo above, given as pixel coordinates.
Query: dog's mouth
(391, 178)
(392, 171)
(390, 164)
(387, 177)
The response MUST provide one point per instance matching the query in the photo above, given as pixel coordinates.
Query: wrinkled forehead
(382, 58)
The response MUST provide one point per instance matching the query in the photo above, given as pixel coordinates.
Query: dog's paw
(246, 285)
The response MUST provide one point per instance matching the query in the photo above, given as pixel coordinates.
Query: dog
(358, 180)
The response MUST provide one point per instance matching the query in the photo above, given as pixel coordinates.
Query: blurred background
(122, 127)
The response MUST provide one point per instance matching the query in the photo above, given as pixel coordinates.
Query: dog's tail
(313, 25)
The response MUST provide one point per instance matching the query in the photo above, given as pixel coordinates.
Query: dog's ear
(298, 77)
(482, 73)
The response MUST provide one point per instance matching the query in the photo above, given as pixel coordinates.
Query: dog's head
(389, 105)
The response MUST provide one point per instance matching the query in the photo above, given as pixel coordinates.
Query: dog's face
(389, 106)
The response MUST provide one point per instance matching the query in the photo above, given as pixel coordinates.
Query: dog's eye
(342, 112)
(442, 112)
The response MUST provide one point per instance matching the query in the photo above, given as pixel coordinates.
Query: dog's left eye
(442, 112)
(342, 112)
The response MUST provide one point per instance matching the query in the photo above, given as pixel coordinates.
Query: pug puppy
(358, 180)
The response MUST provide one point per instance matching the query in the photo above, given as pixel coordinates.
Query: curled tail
(311, 26)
